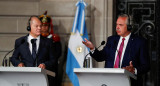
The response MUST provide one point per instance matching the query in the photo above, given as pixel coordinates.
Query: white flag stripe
(73, 45)
(82, 22)
(75, 21)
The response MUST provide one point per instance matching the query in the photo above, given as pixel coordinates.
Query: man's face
(45, 28)
(35, 27)
(121, 27)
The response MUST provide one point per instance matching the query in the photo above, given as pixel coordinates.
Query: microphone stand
(9, 61)
(119, 58)
(85, 61)
(36, 60)
(36, 64)
(4, 62)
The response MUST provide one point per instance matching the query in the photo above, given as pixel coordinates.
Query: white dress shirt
(124, 47)
(30, 44)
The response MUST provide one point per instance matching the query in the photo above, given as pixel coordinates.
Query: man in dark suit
(124, 50)
(34, 50)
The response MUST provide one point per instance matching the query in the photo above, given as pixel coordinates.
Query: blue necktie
(33, 41)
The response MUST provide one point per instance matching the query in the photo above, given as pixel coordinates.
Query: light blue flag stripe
(71, 64)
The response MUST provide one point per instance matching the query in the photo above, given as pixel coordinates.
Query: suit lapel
(116, 42)
(40, 45)
(26, 47)
(126, 58)
(114, 48)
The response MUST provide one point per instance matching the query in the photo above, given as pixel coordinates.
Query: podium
(24, 76)
(103, 76)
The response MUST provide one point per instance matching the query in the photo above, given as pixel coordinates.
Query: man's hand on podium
(130, 68)
(42, 66)
(20, 65)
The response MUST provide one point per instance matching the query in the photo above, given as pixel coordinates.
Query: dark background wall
(146, 23)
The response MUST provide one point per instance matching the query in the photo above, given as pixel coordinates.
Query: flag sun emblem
(79, 49)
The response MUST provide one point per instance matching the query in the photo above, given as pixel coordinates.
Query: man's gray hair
(129, 18)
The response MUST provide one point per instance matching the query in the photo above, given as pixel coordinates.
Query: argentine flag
(76, 49)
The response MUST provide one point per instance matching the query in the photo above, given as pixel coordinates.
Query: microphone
(85, 60)
(119, 54)
(4, 59)
(32, 41)
(102, 43)
(119, 58)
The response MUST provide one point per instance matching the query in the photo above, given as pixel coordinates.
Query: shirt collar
(127, 37)
(31, 37)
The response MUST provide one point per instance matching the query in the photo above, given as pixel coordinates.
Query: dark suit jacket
(23, 54)
(136, 51)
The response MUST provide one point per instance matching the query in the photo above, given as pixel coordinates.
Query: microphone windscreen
(103, 42)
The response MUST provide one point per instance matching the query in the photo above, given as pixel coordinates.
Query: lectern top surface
(21, 69)
(105, 71)
(100, 70)
(27, 69)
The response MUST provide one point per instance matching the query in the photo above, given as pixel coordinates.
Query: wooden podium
(24, 76)
(103, 76)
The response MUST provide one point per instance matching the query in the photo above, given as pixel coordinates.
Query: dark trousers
(138, 82)
(51, 80)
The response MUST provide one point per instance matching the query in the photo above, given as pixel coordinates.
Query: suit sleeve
(57, 49)
(16, 54)
(144, 64)
(51, 58)
(100, 55)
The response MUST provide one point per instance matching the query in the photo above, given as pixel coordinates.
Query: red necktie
(119, 54)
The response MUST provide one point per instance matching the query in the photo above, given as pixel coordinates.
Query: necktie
(33, 41)
(119, 54)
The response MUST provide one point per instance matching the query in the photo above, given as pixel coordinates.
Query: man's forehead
(34, 21)
(121, 20)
